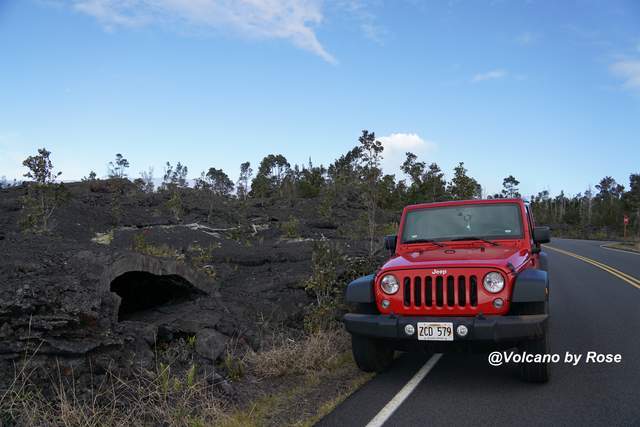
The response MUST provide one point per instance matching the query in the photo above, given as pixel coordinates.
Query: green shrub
(291, 227)
(44, 196)
(141, 245)
(324, 286)
(175, 205)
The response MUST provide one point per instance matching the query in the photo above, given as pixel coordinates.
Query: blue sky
(547, 91)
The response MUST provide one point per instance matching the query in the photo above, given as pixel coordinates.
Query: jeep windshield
(465, 222)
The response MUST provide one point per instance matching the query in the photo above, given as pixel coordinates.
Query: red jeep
(463, 275)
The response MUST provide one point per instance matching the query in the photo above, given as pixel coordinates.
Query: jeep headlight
(389, 284)
(493, 282)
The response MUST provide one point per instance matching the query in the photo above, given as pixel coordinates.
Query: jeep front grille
(440, 291)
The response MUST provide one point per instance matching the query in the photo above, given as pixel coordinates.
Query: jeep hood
(469, 256)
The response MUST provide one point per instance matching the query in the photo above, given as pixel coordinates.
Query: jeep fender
(531, 285)
(544, 261)
(361, 290)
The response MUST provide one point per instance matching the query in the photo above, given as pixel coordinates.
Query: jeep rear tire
(370, 354)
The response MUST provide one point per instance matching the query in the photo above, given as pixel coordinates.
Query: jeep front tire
(537, 372)
(370, 354)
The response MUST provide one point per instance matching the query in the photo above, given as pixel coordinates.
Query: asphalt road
(591, 309)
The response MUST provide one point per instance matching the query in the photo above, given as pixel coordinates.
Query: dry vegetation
(193, 397)
(317, 352)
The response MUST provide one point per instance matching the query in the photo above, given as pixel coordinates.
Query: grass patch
(317, 351)
(291, 227)
(145, 398)
(299, 382)
(103, 238)
(625, 246)
(141, 245)
(316, 374)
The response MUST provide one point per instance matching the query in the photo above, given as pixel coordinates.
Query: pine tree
(510, 187)
(371, 155)
(462, 186)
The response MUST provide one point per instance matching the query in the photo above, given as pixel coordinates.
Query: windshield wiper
(458, 239)
(425, 241)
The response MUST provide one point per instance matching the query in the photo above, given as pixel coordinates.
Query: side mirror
(390, 243)
(541, 235)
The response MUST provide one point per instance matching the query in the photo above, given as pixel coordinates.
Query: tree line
(355, 177)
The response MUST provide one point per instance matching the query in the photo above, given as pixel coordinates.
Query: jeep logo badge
(439, 272)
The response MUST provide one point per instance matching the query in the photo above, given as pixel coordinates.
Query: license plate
(434, 331)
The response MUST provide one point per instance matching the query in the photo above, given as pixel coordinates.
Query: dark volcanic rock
(210, 343)
(61, 294)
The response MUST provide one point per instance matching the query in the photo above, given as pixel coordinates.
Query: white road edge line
(388, 410)
(619, 250)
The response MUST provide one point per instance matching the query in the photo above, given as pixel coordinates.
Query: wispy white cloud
(362, 13)
(396, 146)
(293, 20)
(527, 38)
(489, 75)
(629, 71)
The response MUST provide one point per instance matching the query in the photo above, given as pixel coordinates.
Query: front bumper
(484, 329)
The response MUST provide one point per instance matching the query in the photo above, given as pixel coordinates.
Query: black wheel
(537, 372)
(370, 354)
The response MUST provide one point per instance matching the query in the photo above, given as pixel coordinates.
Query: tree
(462, 186)
(609, 190)
(41, 168)
(146, 181)
(413, 168)
(243, 181)
(311, 180)
(510, 187)
(391, 195)
(91, 177)
(608, 202)
(268, 181)
(174, 180)
(588, 194)
(174, 177)
(632, 199)
(118, 168)
(344, 175)
(216, 184)
(44, 195)
(221, 185)
(427, 183)
(434, 186)
(371, 155)
(289, 184)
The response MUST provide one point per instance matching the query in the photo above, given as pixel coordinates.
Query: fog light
(462, 330)
(409, 330)
(498, 303)
(385, 303)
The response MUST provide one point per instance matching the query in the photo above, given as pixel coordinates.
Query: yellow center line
(619, 274)
(598, 263)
